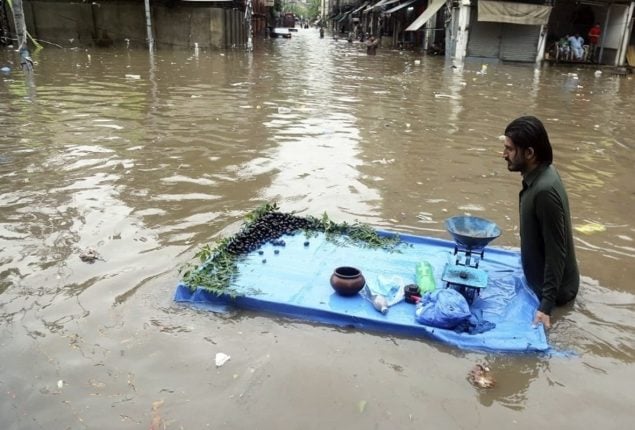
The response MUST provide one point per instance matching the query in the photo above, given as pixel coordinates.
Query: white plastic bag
(221, 358)
(388, 291)
(391, 287)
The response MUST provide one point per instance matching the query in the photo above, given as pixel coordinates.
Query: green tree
(297, 9)
(313, 9)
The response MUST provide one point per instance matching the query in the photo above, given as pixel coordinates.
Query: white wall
(615, 28)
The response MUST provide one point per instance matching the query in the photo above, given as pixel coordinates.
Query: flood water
(146, 159)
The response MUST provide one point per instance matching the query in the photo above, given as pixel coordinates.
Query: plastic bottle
(425, 277)
(380, 303)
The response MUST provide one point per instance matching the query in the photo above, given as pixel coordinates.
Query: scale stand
(468, 256)
(471, 235)
(464, 275)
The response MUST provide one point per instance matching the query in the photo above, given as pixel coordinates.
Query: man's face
(515, 157)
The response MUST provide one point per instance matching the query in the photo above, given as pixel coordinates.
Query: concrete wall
(121, 23)
(217, 32)
(72, 25)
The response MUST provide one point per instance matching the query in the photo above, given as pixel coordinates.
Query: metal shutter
(483, 37)
(519, 42)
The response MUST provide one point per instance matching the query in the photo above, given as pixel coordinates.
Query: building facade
(492, 30)
(216, 24)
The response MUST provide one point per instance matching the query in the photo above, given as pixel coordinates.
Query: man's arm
(551, 216)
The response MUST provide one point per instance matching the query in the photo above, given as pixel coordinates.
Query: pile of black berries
(268, 228)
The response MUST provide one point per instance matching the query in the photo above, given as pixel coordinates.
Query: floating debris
(221, 358)
(89, 255)
(481, 377)
(590, 228)
(361, 406)
(446, 96)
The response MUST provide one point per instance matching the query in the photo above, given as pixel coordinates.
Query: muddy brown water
(147, 159)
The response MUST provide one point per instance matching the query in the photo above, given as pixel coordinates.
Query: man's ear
(530, 154)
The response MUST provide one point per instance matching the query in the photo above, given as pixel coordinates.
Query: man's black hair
(529, 132)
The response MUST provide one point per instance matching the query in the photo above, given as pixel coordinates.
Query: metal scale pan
(471, 235)
(471, 232)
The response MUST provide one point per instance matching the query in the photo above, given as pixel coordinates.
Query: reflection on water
(609, 310)
(146, 158)
(514, 375)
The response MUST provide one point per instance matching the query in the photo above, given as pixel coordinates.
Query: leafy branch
(217, 266)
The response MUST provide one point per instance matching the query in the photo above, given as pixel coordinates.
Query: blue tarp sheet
(295, 283)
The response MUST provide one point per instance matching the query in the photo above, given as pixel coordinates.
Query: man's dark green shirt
(546, 239)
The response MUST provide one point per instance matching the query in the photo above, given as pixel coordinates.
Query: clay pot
(347, 281)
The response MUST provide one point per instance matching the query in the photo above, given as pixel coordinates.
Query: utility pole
(148, 25)
(20, 24)
(20, 28)
(248, 21)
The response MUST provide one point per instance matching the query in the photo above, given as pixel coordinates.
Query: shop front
(507, 31)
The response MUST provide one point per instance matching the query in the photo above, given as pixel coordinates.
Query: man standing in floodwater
(371, 45)
(546, 238)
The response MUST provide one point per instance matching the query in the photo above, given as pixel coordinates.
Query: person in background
(371, 45)
(436, 49)
(576, 42)
(594, 39)
(564, 49)
(546, 237)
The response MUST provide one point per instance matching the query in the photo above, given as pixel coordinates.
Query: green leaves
(204, 254)
(218, 265)
(260, 211)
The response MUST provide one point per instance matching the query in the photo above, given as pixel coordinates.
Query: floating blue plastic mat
(295, 283)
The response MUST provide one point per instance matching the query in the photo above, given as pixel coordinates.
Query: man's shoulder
(548, 177)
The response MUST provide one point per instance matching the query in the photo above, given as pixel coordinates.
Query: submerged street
(146, 159)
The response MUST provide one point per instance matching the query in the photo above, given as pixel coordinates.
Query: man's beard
(516, 165)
